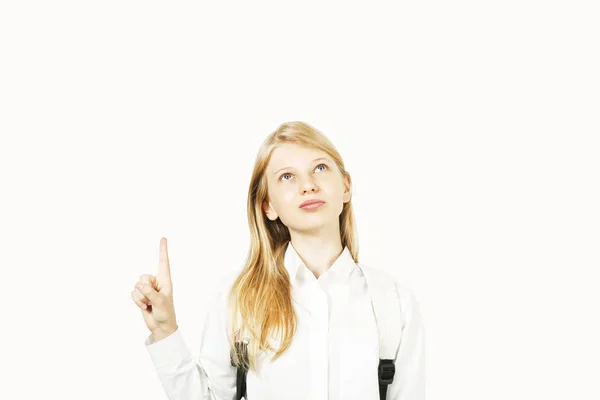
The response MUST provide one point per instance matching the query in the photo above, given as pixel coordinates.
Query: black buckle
(386, 371)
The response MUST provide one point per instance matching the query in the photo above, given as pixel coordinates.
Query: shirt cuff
(168, 352)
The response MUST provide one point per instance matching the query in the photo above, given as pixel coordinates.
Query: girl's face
(298, 173)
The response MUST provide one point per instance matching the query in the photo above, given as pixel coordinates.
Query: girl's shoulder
(384, 278)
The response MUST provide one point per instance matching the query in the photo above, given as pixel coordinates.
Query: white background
(470, 129)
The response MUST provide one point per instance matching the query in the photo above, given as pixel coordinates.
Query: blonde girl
(296, 319)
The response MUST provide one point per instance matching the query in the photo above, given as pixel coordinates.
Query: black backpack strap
(241, 384)
(385, 373)
(242, 349)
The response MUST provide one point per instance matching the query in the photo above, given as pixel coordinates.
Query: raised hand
(154, 296)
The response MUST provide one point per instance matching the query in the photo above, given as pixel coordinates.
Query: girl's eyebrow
(316, 159)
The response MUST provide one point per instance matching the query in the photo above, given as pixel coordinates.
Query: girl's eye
(287, 173)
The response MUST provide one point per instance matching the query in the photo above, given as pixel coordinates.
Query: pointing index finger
(164, 269)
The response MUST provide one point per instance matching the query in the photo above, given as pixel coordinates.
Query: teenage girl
(299, 306)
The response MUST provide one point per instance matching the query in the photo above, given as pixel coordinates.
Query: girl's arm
(211, 375)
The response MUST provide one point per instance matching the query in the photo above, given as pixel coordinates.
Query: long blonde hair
(259, 302)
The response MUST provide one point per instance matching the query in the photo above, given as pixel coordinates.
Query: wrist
(161, 333)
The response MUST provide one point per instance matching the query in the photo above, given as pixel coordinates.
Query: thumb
(164, 270)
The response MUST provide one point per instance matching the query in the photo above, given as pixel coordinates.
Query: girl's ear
(347, 188)
(271, 214)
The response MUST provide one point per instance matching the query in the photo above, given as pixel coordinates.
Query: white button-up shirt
(334, 354)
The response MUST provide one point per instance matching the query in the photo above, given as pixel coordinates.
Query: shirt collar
(342, 267)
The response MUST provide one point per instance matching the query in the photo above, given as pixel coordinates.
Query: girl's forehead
(290, 152)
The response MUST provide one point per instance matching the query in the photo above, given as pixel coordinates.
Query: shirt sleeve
(409, 378)
(208, 377)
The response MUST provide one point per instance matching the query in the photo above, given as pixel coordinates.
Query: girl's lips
(312, 206)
